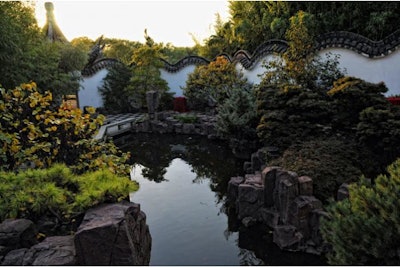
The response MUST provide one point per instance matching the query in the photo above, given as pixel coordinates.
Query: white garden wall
(380, 69)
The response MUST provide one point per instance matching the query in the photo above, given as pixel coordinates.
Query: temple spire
(51, 29)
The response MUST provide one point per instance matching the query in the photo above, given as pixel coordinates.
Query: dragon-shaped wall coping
(342, 39)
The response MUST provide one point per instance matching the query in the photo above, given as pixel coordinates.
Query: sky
(165, 20)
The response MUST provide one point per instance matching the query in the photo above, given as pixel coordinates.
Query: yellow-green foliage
(33, 130)
(32, 193)
(365, 229)
(212, 82)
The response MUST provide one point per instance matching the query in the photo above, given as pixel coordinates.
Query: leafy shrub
(329, 163)
(364, 229)
(58, 192)
(34, 132)
(209, 85)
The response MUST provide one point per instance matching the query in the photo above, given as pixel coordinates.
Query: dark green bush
(365, 229)
(350, 96)
(329, 163)
(378, 135)
(291, 114)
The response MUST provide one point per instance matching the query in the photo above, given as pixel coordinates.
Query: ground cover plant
(57, 191)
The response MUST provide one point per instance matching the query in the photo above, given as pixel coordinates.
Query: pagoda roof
(51, 29)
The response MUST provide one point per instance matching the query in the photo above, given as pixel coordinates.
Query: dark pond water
(183, 182)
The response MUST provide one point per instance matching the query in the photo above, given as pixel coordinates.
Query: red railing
(394, 100)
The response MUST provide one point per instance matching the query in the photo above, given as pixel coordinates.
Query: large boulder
(113, 234)
(15, 257)
(17, 233)
(54, 250)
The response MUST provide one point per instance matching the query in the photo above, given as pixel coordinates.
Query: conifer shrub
(291, 114)
(58, 192)
(365, 229)
(378, 136)
(350, 96)
(329, 162)
(237, 116)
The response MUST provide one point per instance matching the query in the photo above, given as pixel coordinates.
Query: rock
(233, 188)
(152, 99)
(305, 186)
(299, 213)
(253, 179)
(249, 221)
(285, 191)
(343, 192)
(268, 176)
(14, 257)
(314, 222)
(250, 200)
(287, 237)
(269, 217)
(113, 234)
(17, 233)
(54, 250)
(188, 128)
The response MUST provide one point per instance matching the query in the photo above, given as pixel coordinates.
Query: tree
(364, 229)
(20, 34)
(291, 97)
(252, 23)
(113, 91)
(209, 85)
(146, 75)
(26, 55)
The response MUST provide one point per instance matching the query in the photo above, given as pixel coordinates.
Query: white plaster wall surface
(89, 94)
(383, 69)
(177, 80)
(253, 75)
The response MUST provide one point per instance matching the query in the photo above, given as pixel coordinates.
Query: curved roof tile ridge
(184, 62)
(347, 40)
(267, 48)
(343, 39)
(98, 65)
(359, 43)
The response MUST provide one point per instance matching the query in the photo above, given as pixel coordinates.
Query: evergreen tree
(146, 75)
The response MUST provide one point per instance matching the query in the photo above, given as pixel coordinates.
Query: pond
(183, 182)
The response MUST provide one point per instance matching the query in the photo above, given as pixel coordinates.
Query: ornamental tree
(33, 131)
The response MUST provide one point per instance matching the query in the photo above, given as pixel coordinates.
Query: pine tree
(365, 229)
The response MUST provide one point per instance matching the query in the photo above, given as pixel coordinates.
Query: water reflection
(189, 223)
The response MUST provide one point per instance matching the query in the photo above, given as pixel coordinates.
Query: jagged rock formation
(284, 202)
